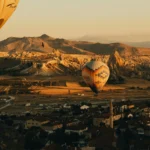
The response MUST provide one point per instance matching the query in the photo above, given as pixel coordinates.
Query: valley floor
(73, 92)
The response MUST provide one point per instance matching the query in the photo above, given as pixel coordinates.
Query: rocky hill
(47, 44)
(128, 67)
(47, 56)
(42, 44)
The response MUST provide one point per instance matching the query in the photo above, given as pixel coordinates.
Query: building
(79, 129)
(105, 118)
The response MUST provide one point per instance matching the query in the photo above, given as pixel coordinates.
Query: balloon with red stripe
(95, 73)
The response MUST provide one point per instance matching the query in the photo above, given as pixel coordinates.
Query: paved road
(5, 106)
(8, 103)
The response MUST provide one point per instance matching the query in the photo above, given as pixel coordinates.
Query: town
(74, 125)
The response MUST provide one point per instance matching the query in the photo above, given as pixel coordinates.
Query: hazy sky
(75, 18)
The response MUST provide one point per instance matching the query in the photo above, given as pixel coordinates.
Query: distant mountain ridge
(145, 44)
(128, 39)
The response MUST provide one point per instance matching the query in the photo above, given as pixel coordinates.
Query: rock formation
(116, 64)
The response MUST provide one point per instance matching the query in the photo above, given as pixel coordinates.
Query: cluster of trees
(36, 138)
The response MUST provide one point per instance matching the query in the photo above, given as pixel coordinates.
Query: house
(41, 105)
(140, 131)
(146, 112)
(98, 120)
(28, 104)
(50, 127)
(130, 106)
(84, 107)
(34, 123)
(105, 118)
(123, 107)
(57, 126)
(80, 129)
(130, 115)
(72, 123)
(94, 105)
(66, 106)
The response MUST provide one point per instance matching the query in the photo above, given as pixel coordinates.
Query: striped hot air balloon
(7, 7)
(95, 73)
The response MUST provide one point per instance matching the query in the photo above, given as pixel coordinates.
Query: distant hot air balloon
(7, 7)
(95, 73)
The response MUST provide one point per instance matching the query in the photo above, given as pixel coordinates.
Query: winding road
(8, 103)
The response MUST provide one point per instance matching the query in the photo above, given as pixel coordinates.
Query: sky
(76, 18)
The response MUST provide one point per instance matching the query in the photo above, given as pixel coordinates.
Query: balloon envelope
(7, 7)
(95, 73)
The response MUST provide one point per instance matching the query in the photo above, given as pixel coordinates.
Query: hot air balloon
(95, 73)
(7, 7)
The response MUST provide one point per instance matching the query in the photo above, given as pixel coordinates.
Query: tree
(32, 142)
